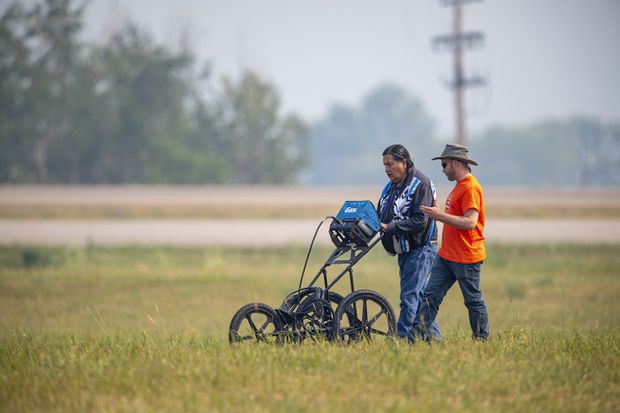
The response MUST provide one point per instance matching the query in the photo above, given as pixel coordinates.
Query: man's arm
(467, 222)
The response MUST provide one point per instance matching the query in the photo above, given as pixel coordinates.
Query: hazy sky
(542, 58)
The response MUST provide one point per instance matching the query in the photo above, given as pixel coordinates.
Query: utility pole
(458, 41)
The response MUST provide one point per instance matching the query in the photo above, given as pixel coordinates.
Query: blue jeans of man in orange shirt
(445, 273)
(415, 268)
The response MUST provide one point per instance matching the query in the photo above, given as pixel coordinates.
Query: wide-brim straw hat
(454, 151)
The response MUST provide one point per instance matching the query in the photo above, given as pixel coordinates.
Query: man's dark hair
(399, 153)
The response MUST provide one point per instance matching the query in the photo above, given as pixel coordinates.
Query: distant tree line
(130, 110)
(346, 146)
(575, 151)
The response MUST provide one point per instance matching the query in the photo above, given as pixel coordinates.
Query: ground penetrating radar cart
(314, 312)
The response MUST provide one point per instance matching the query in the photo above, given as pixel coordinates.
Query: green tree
(120, 112)
(575, 151)
(141, 90)
(262, 146)
(129, 111)
(347, 144)
(41, 60)
(15, 82)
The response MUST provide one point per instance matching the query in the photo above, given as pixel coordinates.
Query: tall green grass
(145, 328)
(516, 370)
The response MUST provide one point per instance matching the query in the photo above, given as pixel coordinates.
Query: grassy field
(145, 329)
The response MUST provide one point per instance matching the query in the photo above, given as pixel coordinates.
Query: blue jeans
(415, 267)
(444, 274)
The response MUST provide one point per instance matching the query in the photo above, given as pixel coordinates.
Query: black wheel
(255, 322)
(294, 299)
(309, 314)
(314, 319)
(364, 314)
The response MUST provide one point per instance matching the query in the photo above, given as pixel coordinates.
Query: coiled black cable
(303, 271)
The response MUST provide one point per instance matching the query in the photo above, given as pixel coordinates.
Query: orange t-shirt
(460, 245)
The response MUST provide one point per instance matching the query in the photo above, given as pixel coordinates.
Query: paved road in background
(268, 232)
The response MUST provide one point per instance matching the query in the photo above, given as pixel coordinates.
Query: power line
(457, 42)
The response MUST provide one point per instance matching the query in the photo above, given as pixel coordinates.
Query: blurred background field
(96, 290)
(279, 202)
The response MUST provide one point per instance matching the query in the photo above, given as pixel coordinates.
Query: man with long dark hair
(408, 233)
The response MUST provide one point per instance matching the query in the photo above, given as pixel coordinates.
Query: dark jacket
(399, 208)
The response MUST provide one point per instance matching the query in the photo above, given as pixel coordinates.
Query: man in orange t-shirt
(462, 246)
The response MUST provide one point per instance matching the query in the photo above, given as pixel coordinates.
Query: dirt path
(267, 232)
(285, 195)
(231, 231)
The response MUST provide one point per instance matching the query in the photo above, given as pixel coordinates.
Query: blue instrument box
(356, 224)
